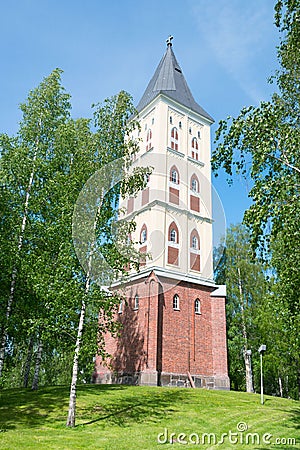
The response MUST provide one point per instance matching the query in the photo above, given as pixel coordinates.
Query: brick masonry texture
(159, 340)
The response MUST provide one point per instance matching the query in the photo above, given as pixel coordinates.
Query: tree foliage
(246, 289)
(43, 170)
(263, 143)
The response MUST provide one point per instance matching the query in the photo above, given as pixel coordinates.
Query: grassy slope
(123, 417)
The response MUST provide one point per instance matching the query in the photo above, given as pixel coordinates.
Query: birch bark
(15, 266)
(246, 351)
(38, 361)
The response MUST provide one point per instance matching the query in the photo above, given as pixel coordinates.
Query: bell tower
(174, 326)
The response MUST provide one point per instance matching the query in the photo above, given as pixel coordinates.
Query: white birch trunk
(35, 381)
(280, 386)
(28, 362)
(246, 353)
(72, 401)
(15, 267)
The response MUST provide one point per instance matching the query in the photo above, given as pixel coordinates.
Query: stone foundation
(162, 379)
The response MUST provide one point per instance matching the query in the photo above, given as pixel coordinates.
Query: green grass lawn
(129, 417)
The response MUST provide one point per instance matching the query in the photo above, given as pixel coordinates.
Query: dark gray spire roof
(169, 80)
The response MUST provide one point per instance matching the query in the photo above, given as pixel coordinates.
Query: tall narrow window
(143, 235)
(173, 244)
(194, 194)
(143, 245)
(176, 302)
(149, 140)
(194, 184)
(173, 187)
(174, 176)
(195, 244)
(197, 306)
(195, 148)
(174, 138)
(136, 302)
(195, 251)
(173, 236)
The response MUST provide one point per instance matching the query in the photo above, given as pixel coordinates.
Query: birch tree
(246, 290)
(113, 146)
(262, 143)
(24, 163)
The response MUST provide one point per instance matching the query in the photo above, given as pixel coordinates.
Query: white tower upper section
(173, 213)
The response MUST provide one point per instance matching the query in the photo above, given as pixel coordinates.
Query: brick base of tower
(160, 345)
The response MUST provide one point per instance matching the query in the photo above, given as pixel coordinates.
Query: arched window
(136, 302)
(195, 244)
(173, 244)
(174, 175)
(173, 235)
(121, 307)
(174, 138)
(197, 306)
(195, 251)
(195, 148)
(194, 184)
(149, 139)
(176, 302)
(143, 235)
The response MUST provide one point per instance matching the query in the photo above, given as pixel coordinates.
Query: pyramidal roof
(168, 79)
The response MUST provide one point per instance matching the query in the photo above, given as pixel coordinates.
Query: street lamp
(261, 351)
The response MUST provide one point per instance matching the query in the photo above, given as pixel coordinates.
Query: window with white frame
(197, 306)
(174, 176)
(176, 302)
(173, 236)
(136, 302)
(195, 185)
(195, 244)
(143, 236)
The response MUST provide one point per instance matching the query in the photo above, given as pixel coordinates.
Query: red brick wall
(173, 255)
(158, 338)
(219, 337)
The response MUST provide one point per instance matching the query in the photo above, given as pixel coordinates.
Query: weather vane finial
(169, 41)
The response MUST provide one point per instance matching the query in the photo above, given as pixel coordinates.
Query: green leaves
(263, 145)
(43, 170)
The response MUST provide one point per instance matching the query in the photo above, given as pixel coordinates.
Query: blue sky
(226, 49)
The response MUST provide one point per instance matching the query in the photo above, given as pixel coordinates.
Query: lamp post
(261, 351)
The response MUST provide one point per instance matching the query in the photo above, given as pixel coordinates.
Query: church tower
(173, 321)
